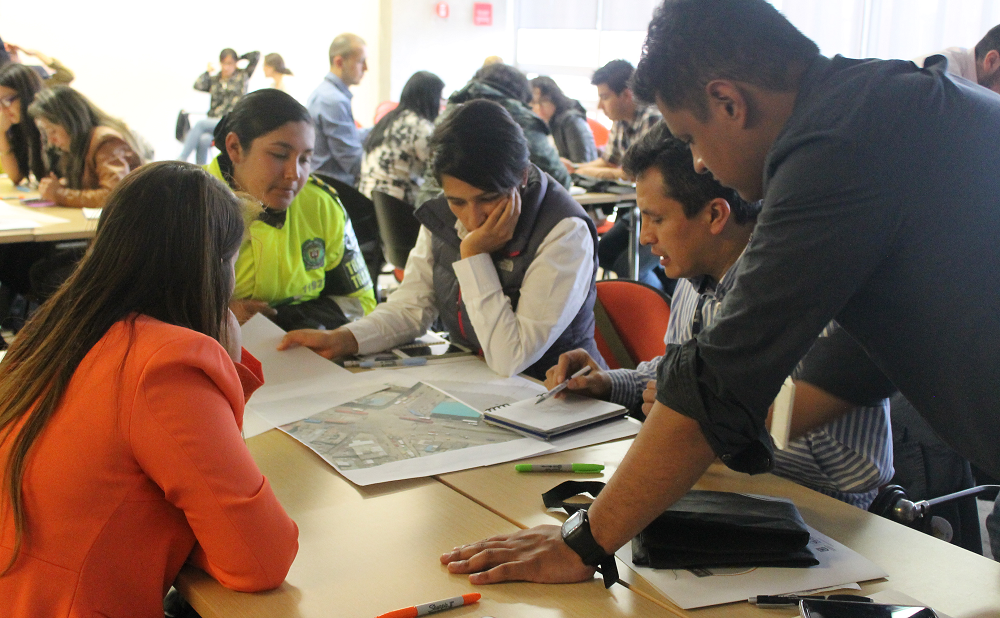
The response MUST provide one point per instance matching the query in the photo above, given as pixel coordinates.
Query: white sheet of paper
(838, 564)
(290, 372)
(17, 224)
(24, 218)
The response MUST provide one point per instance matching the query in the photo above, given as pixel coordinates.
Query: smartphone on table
(821, 608)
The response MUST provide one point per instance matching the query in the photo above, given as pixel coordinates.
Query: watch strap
(581, 540)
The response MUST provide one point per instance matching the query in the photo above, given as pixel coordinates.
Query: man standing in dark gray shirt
(881, 189)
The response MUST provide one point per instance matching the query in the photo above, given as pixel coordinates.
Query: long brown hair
(162, 249)
(24, 138)
(77, 114)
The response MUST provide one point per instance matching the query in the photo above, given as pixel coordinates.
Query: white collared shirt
(554, 288)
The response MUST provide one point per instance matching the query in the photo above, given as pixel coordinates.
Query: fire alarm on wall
(482, 14)
(441, 8)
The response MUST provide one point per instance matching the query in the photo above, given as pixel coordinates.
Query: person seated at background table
(225, 87)
(700, 230)
(299, 264)
(566, 119)
(95, 151)
(631, 119)
(509, 87)
(396, 150)
(21, 150)
(56, 75)
(505, 258)
(899, 258)
(121, 406)
(23, 158)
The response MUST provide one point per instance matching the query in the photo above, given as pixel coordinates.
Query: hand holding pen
(562, 385)
(595, 384)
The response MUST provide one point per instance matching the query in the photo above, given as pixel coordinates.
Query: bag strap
(610, 335)
(555, 498)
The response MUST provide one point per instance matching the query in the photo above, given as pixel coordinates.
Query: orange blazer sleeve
(251, 374)
(185, 435)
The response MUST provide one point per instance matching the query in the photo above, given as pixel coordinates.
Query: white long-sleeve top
(554, 288)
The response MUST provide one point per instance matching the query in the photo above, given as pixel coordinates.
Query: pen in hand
(562, 385)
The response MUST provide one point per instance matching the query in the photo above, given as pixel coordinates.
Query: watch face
(572, 523)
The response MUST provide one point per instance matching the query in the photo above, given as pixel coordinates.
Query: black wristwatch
(576, 533)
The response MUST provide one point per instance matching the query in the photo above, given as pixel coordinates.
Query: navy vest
(544, 203)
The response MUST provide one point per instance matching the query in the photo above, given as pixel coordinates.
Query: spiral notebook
(552, 417)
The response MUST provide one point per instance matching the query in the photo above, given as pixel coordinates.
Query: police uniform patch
(314, 253)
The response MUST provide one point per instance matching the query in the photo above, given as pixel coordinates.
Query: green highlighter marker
(578, 468)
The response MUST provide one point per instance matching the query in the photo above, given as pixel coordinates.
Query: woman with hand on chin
(299, 264)
(121, 404)
(505, 258)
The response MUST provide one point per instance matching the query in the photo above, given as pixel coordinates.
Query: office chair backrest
(600, 132)
(384, 108)
(397, 227)
(638, 316)
(362, 213)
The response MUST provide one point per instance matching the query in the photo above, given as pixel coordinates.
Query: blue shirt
(338, 141)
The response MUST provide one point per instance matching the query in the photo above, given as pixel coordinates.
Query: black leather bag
(706, 529)
(183, 126)
(720, 529)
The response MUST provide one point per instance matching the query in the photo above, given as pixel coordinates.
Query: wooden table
(947, 577)
(76, 226)
(366, 551)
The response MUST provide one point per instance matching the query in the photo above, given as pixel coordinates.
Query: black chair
(397, 227)
(930, 471)
(362, 214)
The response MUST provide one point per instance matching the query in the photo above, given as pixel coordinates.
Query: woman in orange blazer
(121, 406)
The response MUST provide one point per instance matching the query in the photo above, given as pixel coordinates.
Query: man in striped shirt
(701, 230)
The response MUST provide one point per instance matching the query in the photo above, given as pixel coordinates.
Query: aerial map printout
(394, 424)
(388, 425)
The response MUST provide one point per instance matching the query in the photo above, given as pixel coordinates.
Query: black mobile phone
(817, 608)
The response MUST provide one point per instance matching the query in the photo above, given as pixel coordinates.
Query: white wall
(453, 48)
(139, 60)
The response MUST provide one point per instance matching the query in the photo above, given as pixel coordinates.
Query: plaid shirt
(625, 133)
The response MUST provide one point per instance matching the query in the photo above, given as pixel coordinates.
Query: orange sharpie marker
(435, 607)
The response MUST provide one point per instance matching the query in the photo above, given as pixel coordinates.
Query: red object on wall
(441, 8)
(482, 14)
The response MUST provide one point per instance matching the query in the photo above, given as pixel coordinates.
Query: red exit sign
(482, 14)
